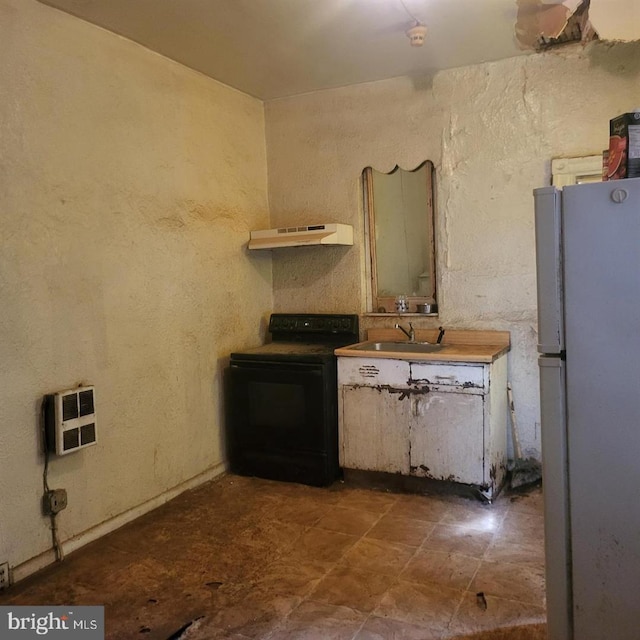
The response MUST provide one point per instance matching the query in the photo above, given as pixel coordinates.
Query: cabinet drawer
(403, 373)
(373, 371)
(456, 375)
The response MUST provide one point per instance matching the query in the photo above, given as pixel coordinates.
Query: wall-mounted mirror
(400, 215)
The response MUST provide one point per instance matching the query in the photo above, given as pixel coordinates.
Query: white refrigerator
(588, 271)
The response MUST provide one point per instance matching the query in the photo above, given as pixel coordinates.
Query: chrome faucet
(411, 334)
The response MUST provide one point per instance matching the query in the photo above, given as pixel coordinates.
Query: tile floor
(250, 558)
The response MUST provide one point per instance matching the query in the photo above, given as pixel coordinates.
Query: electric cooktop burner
(304, 336)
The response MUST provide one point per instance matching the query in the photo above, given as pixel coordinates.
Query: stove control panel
(315, 323)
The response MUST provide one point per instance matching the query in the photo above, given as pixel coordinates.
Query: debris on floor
(287, 560)
(188, 630)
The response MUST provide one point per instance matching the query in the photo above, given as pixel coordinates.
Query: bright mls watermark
(24, 623)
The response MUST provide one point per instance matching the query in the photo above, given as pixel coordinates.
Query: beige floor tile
(354, 588)
(514, 535)
(321, 545)
(387, 629)
(320, 495)
(299, 511)
(317, 620)
(521, 526)
(379, 556)
(289, 577)
(148, 627)
(270, 534)
(459, 539)
(375, 501)
(439, 567)
(423, 604)
(510, 581)
(420, 507)
(219, 562)
(504, 550)
(252, 620)
(536, 631)
(524, 518)
(227, 562)
(352, 521)
(499, 613)
(402, 530)
(475, 516)
(530, 501)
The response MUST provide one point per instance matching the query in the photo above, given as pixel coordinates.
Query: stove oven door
(282, 421)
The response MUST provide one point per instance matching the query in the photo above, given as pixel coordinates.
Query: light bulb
(417, 34)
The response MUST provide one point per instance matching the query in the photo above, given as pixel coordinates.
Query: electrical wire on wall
(57, 547)
(404, 6)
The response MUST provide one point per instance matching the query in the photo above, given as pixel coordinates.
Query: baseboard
(35, 564)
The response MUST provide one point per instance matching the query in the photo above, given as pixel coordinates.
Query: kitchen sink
(399, 347)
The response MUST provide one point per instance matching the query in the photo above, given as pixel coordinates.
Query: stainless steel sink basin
(400, 347)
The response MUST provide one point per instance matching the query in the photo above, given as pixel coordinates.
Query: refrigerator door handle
(548, 221)
(555, 480)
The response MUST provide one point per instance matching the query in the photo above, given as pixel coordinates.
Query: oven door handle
(303, 367)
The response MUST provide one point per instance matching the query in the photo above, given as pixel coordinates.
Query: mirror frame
(386, 304)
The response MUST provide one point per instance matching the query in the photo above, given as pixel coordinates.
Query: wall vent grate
(70, 420)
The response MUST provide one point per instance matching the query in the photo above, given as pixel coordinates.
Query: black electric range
(282, 403)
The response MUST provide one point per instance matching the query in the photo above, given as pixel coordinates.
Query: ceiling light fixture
(417, 32)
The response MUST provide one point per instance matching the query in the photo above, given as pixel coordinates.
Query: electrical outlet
(4, 575)
(54, 501)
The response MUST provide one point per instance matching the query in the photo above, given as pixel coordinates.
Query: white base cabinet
(439, 420)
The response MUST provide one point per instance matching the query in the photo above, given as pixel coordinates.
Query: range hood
(313, 234)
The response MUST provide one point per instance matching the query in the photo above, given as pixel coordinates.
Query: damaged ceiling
(277, 48)
(541, 25)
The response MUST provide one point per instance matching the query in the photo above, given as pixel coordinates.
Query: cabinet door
(377, 435)
(446, 436)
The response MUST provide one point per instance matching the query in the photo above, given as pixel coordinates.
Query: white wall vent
(70, 420)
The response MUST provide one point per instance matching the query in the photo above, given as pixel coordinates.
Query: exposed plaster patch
(542, 24)
(545, 23)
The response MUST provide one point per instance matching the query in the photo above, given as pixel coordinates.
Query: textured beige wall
(491, 131)
(128, 185)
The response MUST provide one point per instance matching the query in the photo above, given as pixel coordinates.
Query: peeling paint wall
(128, 185)
(491, 131)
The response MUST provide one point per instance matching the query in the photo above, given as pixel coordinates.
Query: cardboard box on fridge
(624, 146)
